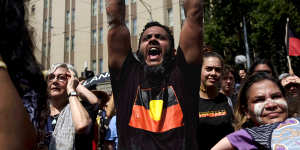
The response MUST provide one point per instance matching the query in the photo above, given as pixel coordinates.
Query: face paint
(259, 108)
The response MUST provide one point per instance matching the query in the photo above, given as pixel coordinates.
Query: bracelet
(2, 65)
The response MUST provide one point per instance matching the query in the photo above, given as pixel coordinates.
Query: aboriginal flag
(292, 42)
(156, 113)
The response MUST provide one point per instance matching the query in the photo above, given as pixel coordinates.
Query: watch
(72, 93)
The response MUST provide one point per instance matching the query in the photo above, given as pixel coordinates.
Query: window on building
(44, 49)
(68, 17)
(50, 3)
(45, 3)
(49, 45)
(133, 1)
(94, 10)
(50, 23)
(182, 16)
(72, 43)
(45, 25)
(73, 14)
(101, 35)
(94, 66)
(170, 16)
(94, 37)
(126, 2)
(100, 65)
(134, 27)
(67, 44)
(33, 9)
(101, 6)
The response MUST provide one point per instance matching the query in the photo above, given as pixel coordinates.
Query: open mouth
(154, 53)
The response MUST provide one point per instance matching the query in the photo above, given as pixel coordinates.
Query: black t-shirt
(165, 119)
(215, 121)
(82, 141)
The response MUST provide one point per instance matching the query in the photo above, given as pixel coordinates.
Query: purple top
(242, 140)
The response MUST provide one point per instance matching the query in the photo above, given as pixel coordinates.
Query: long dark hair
(16, 49)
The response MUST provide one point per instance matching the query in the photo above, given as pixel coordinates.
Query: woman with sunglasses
(68, 120)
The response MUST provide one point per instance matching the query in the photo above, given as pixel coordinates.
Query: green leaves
(265, 21)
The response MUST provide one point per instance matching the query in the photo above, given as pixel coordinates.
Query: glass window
(94, 10)
(101, 6)
(126, 2)
(67, 44)
(45, 25)
(101, 35)
(134, 27)
(94, 38)
(94, 66)
(72, 43)
(44, 50)
(33, 9)
(73, 14)
(133, 1)
(68, 17)
(45, 3)
(170, 17)
(50, 22)
(100, 65)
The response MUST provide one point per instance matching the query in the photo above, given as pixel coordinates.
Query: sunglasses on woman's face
(59, 77)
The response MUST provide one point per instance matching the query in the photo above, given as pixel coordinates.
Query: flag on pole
(292, 42)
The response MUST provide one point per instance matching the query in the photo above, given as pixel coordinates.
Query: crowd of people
(161, 97)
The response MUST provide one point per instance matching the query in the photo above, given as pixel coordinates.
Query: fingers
(290, 79)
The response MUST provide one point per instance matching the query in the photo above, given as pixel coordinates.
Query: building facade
(75, 31)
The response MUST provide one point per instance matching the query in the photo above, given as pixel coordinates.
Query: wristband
(72, 93)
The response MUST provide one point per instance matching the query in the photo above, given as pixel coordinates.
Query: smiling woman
(261, 102)
(215, 112)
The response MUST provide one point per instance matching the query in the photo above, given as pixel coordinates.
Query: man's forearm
(118, 36)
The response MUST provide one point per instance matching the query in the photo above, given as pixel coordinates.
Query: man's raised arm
(118, 37)
(191, 37)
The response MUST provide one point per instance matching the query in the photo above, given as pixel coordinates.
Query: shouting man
(156, 91)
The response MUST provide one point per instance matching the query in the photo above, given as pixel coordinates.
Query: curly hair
(241, 120)
(16, 49)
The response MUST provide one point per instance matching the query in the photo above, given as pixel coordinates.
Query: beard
(156, 75)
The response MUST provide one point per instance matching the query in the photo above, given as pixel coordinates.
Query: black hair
(155, 23)
(228, 69)
(16, 49)
(207, 54)
(263, 61)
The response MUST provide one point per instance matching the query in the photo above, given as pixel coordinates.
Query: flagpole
(291, 72)
(246, 44)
